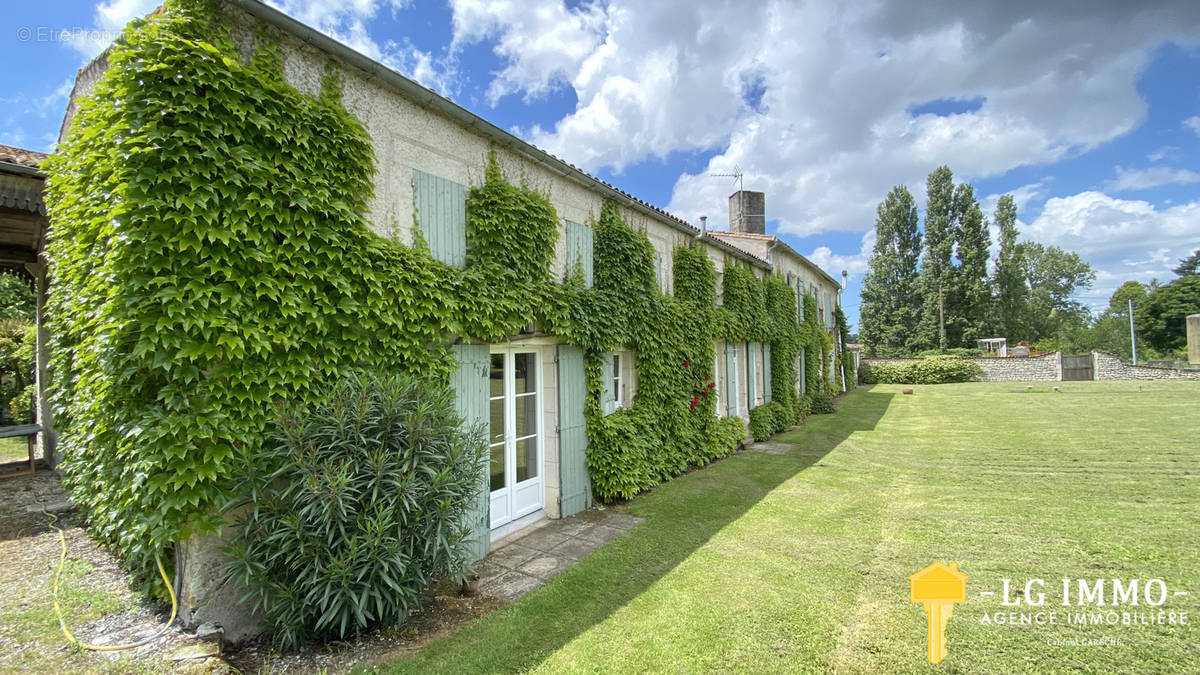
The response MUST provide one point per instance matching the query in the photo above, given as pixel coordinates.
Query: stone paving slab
(772, 447)
(529, 558)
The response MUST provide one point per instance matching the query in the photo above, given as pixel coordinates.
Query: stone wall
(1108, 367)
(1048, 368)
(1014, 369)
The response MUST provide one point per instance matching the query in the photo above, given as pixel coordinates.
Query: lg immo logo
(1067, 601)
(938, 587)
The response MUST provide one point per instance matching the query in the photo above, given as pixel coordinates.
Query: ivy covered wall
(211, 258)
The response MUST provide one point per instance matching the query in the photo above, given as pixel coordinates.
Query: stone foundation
(205, 597)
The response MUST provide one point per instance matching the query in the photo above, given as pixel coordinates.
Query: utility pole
(1132, 337)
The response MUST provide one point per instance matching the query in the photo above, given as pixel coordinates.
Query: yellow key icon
(938, 587)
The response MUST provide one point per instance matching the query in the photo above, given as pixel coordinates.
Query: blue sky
(1095, 130)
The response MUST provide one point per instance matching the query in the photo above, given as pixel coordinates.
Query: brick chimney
(747, 212)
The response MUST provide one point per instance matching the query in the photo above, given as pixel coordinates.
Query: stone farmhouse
(428, 152)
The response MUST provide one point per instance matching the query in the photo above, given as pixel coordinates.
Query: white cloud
(346, 22)
(110, 17)
(543, 43)
(832, 132)
(1122, 239)
(855, 264)
(35, 110)
(1193, 123)
(1145, 179)
(1162, 153)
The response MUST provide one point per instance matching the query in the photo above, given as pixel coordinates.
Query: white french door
(515, 434)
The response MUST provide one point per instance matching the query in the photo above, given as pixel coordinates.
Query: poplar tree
(972, 288)
(936, 264)
(891, 299)
(1011, 293)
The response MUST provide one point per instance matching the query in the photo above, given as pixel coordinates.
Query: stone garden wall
(1108, 367)
(1048, 368)
(1015, 369)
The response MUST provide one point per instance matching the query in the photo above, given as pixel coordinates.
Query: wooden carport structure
(23, 225)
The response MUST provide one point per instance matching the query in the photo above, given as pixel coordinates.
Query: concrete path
(527, 559)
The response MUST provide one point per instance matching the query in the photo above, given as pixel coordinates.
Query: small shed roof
(22, 211)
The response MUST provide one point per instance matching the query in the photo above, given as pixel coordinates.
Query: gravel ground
(100, 608)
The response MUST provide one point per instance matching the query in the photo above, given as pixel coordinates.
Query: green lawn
(800, 562)
(14, 450)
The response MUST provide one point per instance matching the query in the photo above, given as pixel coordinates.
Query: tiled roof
(21, 156)
(727, 236)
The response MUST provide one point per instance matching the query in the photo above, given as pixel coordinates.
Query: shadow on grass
(681, 514)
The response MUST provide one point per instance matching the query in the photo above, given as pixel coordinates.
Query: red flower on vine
(687, 364)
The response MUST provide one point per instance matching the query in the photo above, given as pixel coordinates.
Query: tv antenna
(737, 174)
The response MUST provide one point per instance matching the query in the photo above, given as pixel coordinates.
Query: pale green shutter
(470, 383)
(803, 377)
(731, 393)
(800, 299)
(579, 251)
(829, 309)
(658, 269)
(441, 210)
(608, 399)
(767, 373)
(575, 486)
(751, 376)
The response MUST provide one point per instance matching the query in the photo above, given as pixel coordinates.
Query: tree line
(935, 291)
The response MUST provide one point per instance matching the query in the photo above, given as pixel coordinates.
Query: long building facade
(428, 153)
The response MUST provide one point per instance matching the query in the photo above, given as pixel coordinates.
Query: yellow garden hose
(58, 611)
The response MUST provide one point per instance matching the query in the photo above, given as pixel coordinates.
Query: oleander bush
(354, 507)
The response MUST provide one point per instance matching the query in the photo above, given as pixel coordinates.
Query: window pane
(526, 415)
(497, 375)
(497, 467)
(527, 459)
(525, 366)
(496, 420)
(617, 378)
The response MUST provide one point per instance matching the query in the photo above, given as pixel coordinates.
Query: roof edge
(776, 240)
(470, 120)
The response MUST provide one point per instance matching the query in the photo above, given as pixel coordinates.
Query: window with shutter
(579, 251)
(441, 213)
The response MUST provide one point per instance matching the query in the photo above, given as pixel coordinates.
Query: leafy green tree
(972, 299)
(1008, 283)
(1189, 266)
(1110, 333)
(17, 300)
(936, 264)
(1161, 318)
(1052, 275)
(891, 299)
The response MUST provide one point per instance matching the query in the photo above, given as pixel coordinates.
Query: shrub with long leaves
(355, 506)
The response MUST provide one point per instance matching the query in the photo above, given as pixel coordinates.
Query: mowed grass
(14, 450)
(799, 562)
